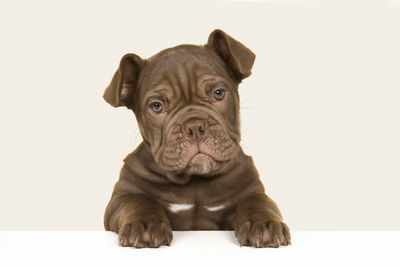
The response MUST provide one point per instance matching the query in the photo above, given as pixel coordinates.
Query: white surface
(199, 248)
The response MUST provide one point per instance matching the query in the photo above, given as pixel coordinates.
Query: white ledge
(198, 248)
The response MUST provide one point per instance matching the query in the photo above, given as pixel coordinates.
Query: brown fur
(190, 153)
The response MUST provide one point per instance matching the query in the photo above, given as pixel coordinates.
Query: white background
(320, 114)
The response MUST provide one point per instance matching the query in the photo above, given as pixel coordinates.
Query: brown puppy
(190, 172)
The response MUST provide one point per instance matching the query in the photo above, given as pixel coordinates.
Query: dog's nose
(195, 129)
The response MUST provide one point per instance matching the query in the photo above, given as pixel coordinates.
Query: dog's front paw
(142, 234)
(262, 233)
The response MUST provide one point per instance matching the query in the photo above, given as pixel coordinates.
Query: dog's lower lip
(201, 157)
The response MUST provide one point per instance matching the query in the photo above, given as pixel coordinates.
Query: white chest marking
(174, 207)
(215, 208)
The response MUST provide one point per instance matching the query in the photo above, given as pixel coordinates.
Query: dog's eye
(157, 107)
(219, 94)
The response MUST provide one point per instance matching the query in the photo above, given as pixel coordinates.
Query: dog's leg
(139, 221)
(258, 222)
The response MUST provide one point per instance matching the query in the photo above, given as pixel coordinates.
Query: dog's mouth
(201, 163)
(200, 157)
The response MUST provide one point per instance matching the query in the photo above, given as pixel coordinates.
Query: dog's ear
(236, 56)
(121, 89)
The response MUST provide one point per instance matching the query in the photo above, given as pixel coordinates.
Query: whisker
(246, 129)
(134, 137)
(243, 101)
(247, 148)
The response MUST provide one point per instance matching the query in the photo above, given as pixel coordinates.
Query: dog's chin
(201, 164)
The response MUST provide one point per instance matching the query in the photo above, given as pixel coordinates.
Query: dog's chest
(179, 207)
(198, 206)
(194, 216)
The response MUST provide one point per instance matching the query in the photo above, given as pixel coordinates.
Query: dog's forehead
(179, 55)
(183, 60)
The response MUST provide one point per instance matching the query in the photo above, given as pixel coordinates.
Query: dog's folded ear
(235, 55)
(123, 84)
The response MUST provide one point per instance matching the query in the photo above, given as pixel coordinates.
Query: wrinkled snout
(195, 130)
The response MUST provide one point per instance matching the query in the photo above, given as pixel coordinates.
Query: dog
(189, 173)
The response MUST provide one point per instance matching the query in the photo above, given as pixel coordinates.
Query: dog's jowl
(189, 173)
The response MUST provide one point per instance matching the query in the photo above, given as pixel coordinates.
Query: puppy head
(186, 103)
